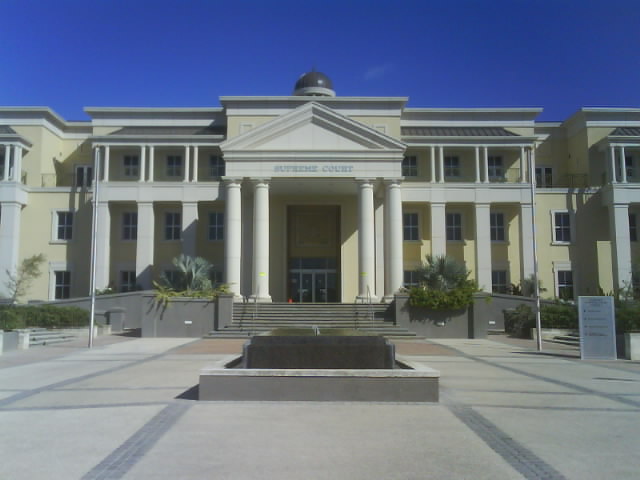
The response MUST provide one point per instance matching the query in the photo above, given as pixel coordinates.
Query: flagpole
(94, 240)
(536, 283)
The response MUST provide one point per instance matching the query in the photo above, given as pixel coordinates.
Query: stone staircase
(42, 336)
(250, 319)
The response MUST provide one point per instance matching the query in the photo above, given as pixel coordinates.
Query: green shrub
(519, 321)
(43, 316)
(559, 315)
(455, 299)
(627, 317)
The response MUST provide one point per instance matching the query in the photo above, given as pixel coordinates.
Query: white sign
(597, 328)
(313, 169)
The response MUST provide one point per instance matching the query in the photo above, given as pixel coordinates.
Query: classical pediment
(312, 127)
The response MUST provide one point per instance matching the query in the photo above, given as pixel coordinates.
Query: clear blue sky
(556, 54)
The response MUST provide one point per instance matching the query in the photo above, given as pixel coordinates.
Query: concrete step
(573, 340)
(42, 336)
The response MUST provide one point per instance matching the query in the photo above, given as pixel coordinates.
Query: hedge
(14, 317)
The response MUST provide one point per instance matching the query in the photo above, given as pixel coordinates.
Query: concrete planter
(550, 333)
(632, 345)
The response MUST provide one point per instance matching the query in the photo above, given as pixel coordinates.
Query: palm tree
(193, 273)
(442, 273)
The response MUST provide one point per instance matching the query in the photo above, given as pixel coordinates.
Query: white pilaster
(186, 164)
(143, 163)
(526, 240)
(477, 149)
(9, 240)
(485, 164)
(483, 246)
(393, 226)
(441, 164)
(145, 245)
(433, 165)
(195, 164)
(17, 163)
(189, 228)
(523, 175)
(233, 235)
(7, 158)
(623, 166)
(151, 162)
(366, 243)
(261, 241)
(103, 242)
(105, 174)
(438, 229)
(621, 245)
(612, 165)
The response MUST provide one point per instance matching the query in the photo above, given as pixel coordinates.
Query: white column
(526, 240)
(145, 245)
(477, 164)
(366, 242)
(151, 162)
(433, 165)
(532, 173)
(9, 240)
(483, 246)
(260, 291)
(523, 175)
(7, 158)
(105, 173)
(623, 166)
(195, 164)
(438, 229)
(612, 165)
(186, 164)
(233, 235)
(394, 270)
(441, 162)
(17, 163)
(103, 242)
(143, 163)
(189, 228)
(485, 164)
(621, 245)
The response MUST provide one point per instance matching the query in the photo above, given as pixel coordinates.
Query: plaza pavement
(125, 410)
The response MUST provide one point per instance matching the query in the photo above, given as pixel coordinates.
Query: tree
(193, 274)
(18, 283)
(442, 273)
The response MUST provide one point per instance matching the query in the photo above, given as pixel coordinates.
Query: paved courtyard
(126, 410)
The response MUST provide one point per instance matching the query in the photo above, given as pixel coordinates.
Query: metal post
(536, 283)
(94, 239)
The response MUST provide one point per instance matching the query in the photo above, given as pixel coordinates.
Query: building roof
(626, 132)
(7, 130)
(457, 132)
(182, 131)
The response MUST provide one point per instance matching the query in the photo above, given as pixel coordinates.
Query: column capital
(260, 180)
(390, 182)
(228, 181)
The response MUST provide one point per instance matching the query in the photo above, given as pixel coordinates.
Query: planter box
(550, 333)
(632, 345)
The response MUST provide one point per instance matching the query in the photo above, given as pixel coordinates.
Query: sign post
(597, 328)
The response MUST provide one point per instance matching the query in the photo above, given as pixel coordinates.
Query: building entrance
(313, 254)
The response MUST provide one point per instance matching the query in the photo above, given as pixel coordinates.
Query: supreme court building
(315, 197)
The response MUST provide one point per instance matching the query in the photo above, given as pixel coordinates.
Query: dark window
(216, 226)
(451, 166)
(130, 226)
(544, 177)
(216, 166)
(65, 226)
(410, 226)
(410, 166)
(172, 226)
(127, 281)
(131, 166)
(411, 278)
(633, 228)
(174, 166)
(84, 176)
(63, 284)
(499, 281)
(565, 284)
(454, 226)
(562, 227)
(497, 227)
(494, 166)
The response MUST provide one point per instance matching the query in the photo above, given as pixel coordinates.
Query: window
(454, 226)
(565, 284)
(633, 228)
(216, 277)
(216, 166)
(411, 278)
(410, 166)
(561, 227)
(174, 166)
(172, 226)
(628, 162)
(127, 280)
(216, 226)
(451, 166)
(544, 177)
(62, 284)
(131, 166)
(84, 176)
(499, 281)
(64, 226)
(410, 226)
(172, 277)
(497, 227)
(130, 226)
(494, 164)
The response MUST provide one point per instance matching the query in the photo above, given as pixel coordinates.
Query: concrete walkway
(125, 410)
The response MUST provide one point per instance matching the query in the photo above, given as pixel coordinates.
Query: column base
(365, 299)
(388, 298)
(257, 299)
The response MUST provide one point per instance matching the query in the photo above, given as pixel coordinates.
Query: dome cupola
(314, 84)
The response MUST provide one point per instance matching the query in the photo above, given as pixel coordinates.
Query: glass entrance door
(310, 284)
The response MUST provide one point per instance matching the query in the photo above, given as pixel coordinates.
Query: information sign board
(597, 328)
